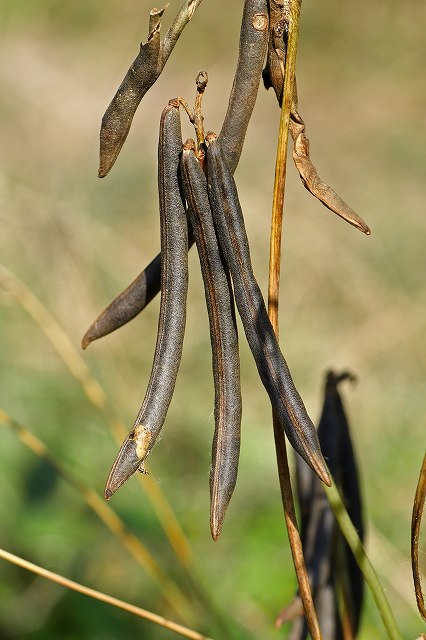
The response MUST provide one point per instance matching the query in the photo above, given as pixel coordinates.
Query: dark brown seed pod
(127, 304)
(171, 325)
(273, 73)
(330, 563)
(117, 119)
(224, 340)
(253, 43)
(130, 302)
(273, 370)
(142, 74)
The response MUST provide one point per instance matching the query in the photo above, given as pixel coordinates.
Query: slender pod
(143, 72)
(127, 304)
(253, 43)
(171, 325)
(130, 302)
(273, 370)
(333, 573)
(224, 340)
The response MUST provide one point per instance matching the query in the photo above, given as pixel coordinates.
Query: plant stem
(273, 296)
(368, 571)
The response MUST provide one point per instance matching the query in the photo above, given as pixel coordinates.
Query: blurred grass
(346, 300)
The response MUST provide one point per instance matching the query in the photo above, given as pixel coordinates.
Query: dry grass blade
(419, 502)
(129, 541)
(72, 359)
(273, 296)
(103, 597)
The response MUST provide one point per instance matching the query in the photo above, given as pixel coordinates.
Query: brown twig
(419, 502)
(103, 597)
(273, 292)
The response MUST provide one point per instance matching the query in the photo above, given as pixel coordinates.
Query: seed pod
(130, 302)
(273, 370)
(142, 74)
(117, 119)
(171, 325)
(253, 43)
(127, 304)
(116, 124)
(273, 73)
(224, 340)
(334, 435)
(333, 573)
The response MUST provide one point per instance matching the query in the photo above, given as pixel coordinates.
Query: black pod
(273, 370)
(171, 324)
(224, 340)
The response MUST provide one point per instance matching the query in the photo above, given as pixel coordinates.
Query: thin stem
(419, 502)
(179, 23)
(356, 546)
(103, 597)
(273, 296)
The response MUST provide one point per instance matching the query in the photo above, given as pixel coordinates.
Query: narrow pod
(224, 340)
(171, 324)
(273, 370)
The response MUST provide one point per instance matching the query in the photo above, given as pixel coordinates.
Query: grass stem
(368, 571)
(103, 597)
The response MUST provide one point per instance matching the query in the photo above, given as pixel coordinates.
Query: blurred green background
(347, 301)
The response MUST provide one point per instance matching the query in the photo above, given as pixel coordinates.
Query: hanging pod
(171, 324)
(224, 340)
(273, 370)
(253, 42)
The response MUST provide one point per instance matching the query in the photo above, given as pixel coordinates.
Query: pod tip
(127, 462)
(85, 341)
(215, 528)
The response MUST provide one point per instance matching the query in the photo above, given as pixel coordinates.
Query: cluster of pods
(198, 200)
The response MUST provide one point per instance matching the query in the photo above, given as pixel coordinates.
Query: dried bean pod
(171, 325)
(273, 370)
(329, 560)
(224, 340)
(142, 74)
(253, 42)
(130, 302)
(254, 37)
(127, 304)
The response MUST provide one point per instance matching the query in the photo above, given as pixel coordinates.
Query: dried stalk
(287, 67)
(419, 502)
(103, 597)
